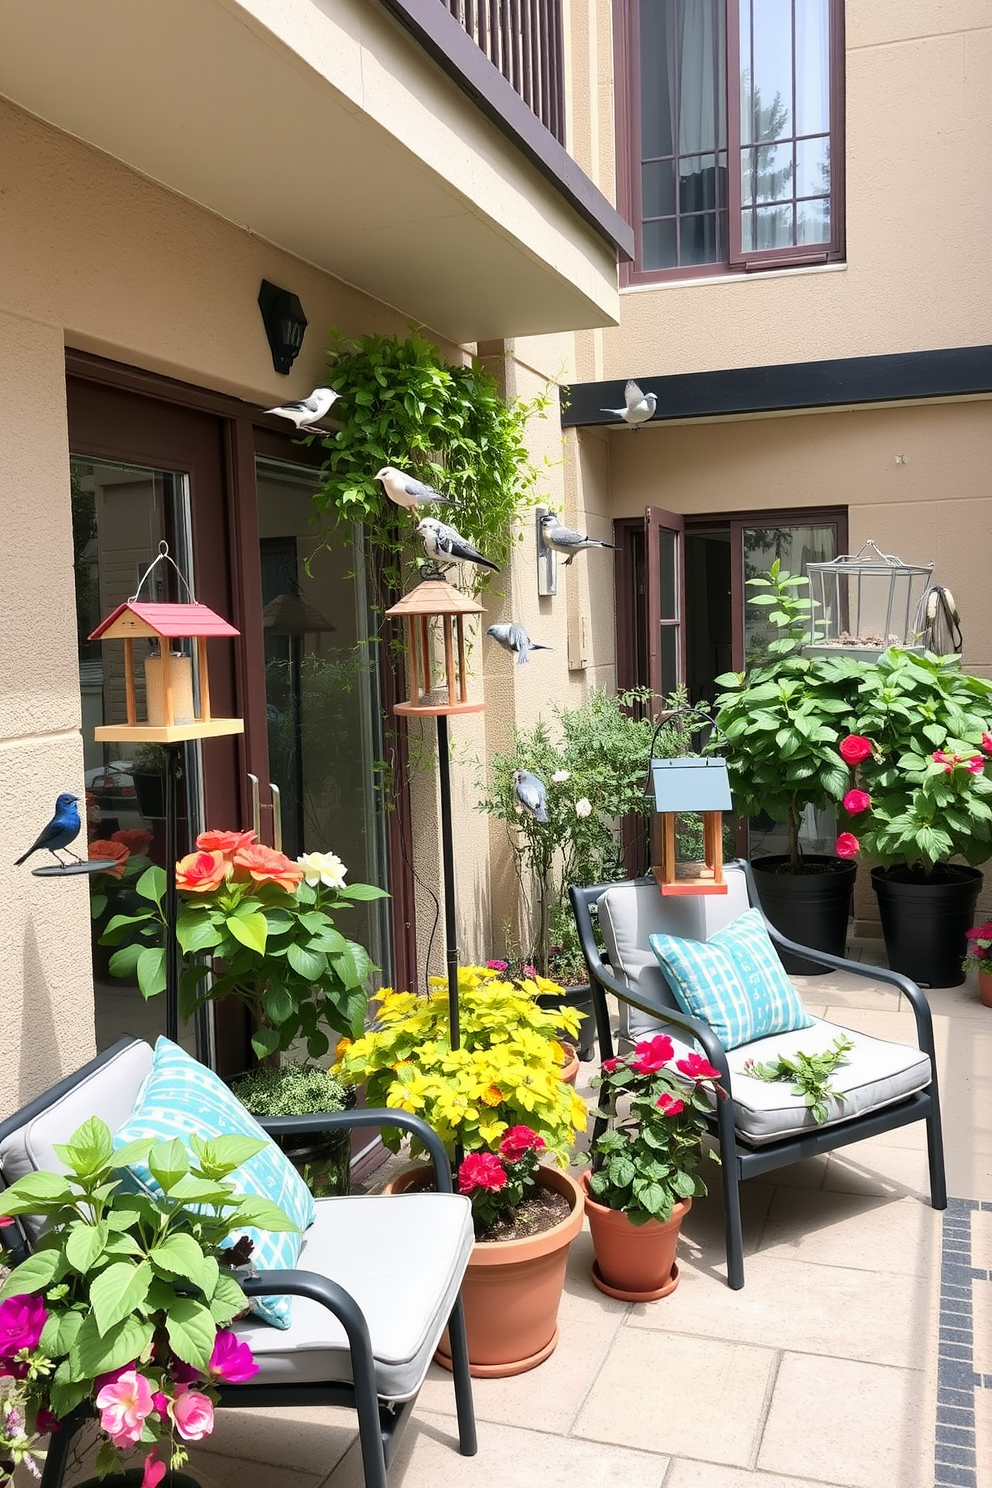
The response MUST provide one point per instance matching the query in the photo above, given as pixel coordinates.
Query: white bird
(638, 407)
(514, 638)
(406, 490)
(447, 545)
(565, 540)
(308, 410)
(531, 793)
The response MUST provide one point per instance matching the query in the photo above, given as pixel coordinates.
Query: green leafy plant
(126, 1299)
(917, 790)
(650, 1157)
(778, 723)
(294, 1089)
(811, 1074)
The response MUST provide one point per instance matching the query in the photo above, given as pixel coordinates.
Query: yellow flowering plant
(506, 1073)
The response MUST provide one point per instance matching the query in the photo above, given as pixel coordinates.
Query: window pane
(702, 237)
(813, 221)
(669, 659)
(668, 558)
(659, 245)
(771, 69)
(700, 186)
(658, 188)
(812, 66)
(770, 174)
(795, 548)
(813, 167)
(773, 227)
(657, 56)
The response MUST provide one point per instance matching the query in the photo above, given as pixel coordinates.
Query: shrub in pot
(298, 1088)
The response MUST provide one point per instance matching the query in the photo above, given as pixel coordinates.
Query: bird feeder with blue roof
(681, 786)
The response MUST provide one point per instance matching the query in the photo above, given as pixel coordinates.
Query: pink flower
(481, 1170)
(518, 1140)
(975, 764)
(498, 965)
(123, 1407)
(947, 760)
(231, 1360)
(987, 743)
(530, 971)
(21, 1320)
(856, 801)
(854, 749)
(193, 1413)
(697, 1068)
(154, 1470)
(652, 1054)
(668, 1105)
(609, 1065)
(160, 1403)
(847, 845)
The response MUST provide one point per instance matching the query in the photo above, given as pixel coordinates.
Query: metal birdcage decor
(865, 602)
(689, 785)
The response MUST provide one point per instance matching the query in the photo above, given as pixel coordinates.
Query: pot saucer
(624, 1296)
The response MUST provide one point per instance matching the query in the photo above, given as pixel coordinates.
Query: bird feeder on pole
(689, 785)
(436, 670)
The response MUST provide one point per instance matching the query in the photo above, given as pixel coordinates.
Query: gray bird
(307, 411)
(530, 792)
(638, 407)
(565, 540)
(406, 490)
(514, 638)
(447, 545)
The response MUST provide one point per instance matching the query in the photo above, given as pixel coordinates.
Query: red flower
(697, 1068)
(103, 849)
(975, 764)
(609, 1065)
(518, 1140)
(224, 842)
(652, 1054)
(265, 865)
(481, 1170)
(668, 1105)
(856, 801)
(855, 748)
(847, 845)
(987, 743)
(135, 839)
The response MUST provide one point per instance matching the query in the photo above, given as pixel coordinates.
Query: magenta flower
(46, 1421)
(160, 1404)
(986, 745)
(123, 1407)
(856, 801)
(697, 1068)
(609, 1065)
(22, 1319)
(193, 1413)
(652, 1054)
(975, 764)
(481, 1170)
(518, 1140)
(155, 1470)
(847, 845)
(530, 971)
(668, 1105)
(497, 965)
(854, 749)
(231, 1360)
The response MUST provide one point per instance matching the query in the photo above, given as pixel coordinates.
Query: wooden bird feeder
(683, 785)
(437, 683)
(171, 714)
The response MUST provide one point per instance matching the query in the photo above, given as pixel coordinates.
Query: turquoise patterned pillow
(180, 1096)
(734, 981)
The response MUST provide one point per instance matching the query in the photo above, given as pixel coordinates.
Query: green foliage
(778, 724)
(294, 1089)
(403, 404)
(928, 770)
(810, 1072)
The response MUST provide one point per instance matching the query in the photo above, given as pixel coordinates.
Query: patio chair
(377, 1280)
(760, 1126)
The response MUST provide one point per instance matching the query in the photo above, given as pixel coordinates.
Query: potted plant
(646, 1166)
(125, 1303)
(505, 1078)
(778, 725)
(298, 1088)
(917, 796)
(979, 958)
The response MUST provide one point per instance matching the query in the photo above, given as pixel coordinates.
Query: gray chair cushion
(421, 1243)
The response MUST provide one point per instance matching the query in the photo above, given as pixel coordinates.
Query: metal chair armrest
(376, 1116)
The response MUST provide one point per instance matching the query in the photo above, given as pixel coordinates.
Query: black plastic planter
(811, 907)
(924, 920)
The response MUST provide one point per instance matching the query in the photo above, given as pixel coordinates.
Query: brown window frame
(627, 52)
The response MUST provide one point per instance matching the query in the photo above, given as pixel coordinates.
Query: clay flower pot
(985, 987)
(512, 1288)
(635, 1263)
(570, 1069)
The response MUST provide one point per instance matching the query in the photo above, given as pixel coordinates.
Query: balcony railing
(523, 38)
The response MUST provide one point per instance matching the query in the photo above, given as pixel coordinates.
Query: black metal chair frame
(740, 1161)
(379, 1422)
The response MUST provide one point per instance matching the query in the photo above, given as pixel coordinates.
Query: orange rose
(265, 865)
(201, 872)
(224, 842)
(135, 839)
(115, 850)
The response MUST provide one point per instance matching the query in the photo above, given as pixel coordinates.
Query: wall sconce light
(547, 558)
(284, 321)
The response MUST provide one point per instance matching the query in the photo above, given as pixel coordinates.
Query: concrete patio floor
(837, 1366)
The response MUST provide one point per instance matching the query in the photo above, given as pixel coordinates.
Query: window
(729, 128)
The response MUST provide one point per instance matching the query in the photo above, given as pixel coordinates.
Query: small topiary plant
(295, 1089)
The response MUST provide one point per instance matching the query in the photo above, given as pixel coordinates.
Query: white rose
(583, 807)
(560, 775)
(324, 868)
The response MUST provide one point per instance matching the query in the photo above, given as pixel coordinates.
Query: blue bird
(61, 830)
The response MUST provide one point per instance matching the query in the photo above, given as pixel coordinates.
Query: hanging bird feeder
(437, 675)
(689, 785)
(864, 603)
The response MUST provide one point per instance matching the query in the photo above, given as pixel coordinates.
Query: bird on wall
(531, 793)
(565, 540)
(61, 830)
(638, 406)
(513, 638)
(446, 545)
(307, 411)
(406, 490)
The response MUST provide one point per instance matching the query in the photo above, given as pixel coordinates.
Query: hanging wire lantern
(864, 603)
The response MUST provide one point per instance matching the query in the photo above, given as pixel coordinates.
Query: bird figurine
(638, 406)
(61, 830)
(406, 490)
(307, 411)
(514, 638)
(446, 545)
(565, 540)
(531, 793)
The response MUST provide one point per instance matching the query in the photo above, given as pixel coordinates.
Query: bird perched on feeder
(638, 406)
(61, 830)
(307, 411)
(565, 540)
(514, 638)
(531, 793)
(446, 545)
(406, 490)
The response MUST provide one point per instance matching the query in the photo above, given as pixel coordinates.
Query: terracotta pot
(570, 1069)
(635, 1263)
(985, 987)
(512, 1288)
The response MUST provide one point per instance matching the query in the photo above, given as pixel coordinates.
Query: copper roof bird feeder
(437, 674)
(689, 785)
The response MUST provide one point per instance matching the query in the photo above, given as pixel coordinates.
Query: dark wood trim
(951, 372)
(455, 52)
